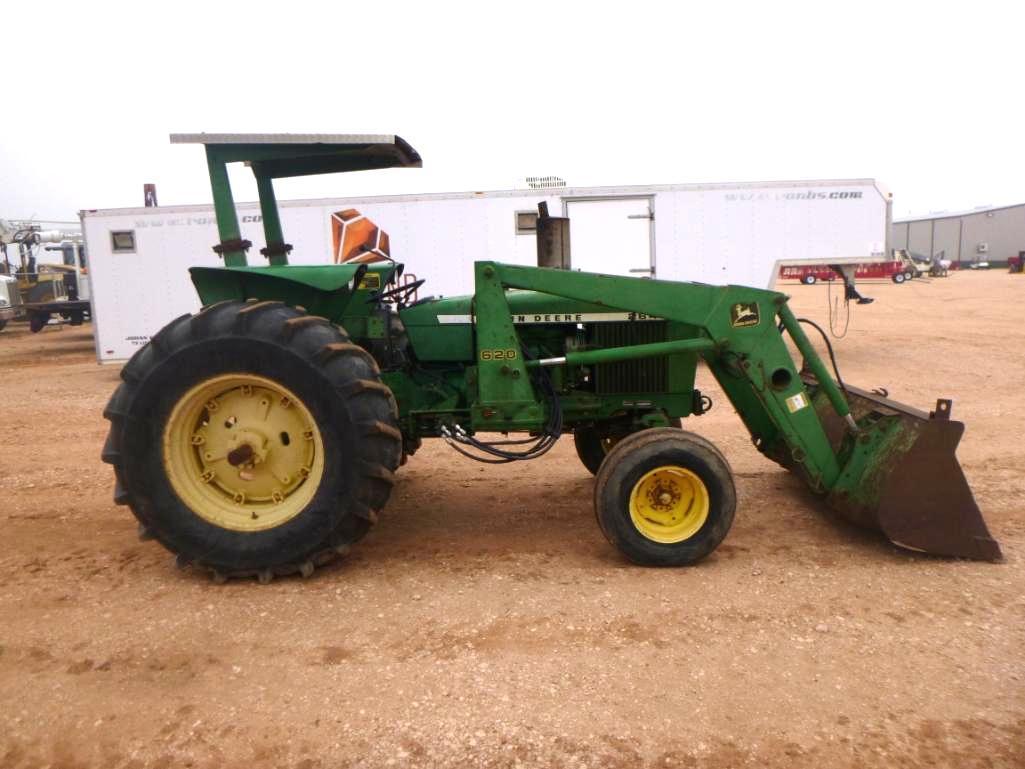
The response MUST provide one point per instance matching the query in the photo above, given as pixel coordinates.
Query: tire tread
(369, 404)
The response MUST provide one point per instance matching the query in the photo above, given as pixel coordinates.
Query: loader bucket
(902, 477)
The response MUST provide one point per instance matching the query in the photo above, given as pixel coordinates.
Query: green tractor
(261, 436)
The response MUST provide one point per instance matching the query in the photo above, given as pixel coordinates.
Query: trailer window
(526, 222)
(122, 241)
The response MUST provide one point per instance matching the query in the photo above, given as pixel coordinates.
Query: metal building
(982, 235)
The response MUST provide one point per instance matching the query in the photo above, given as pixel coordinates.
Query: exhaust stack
(552, 239)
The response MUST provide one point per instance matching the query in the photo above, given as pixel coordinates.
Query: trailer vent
(122, 241)
(647, 375)
(526, 222)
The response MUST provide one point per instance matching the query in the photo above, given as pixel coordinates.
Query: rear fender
(325, 290)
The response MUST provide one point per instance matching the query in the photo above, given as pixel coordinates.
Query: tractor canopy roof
(274, 156)
(282, 155)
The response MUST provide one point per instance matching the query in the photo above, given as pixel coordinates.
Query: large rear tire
(593, 445)
(665, 497)
(253, 440)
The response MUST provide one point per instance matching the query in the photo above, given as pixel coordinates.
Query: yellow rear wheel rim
(243, 452)
(669, 504)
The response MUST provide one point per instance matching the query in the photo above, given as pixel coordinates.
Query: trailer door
(614, 236)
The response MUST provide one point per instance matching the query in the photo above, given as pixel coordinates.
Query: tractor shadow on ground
(470, 527)
(485, 515)
(436, 516)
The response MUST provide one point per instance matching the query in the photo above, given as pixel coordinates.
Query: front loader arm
(746, 353)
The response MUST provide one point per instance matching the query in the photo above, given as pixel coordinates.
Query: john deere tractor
(262, 435)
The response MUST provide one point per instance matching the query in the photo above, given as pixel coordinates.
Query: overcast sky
(925, 97)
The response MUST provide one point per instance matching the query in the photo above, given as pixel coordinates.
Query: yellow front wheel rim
(243, 452)
(669, 504)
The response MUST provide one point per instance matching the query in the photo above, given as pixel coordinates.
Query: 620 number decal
(498, 354)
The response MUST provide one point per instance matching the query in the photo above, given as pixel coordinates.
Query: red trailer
(813, 273)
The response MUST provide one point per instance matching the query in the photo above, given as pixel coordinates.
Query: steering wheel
(399, 294)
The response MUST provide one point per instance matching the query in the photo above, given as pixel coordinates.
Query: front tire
(809, 280)
(253, 439)
(665, 497)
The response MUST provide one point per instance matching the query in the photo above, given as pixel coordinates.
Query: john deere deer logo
(744, 314)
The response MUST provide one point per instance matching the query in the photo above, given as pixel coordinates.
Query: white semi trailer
(713, 233)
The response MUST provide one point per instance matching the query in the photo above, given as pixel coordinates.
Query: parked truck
(47, 288)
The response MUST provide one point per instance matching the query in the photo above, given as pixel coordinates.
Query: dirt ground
(486, 621)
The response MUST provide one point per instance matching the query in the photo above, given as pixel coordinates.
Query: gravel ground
(486, 622)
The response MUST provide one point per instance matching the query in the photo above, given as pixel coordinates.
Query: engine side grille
(646, 375)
